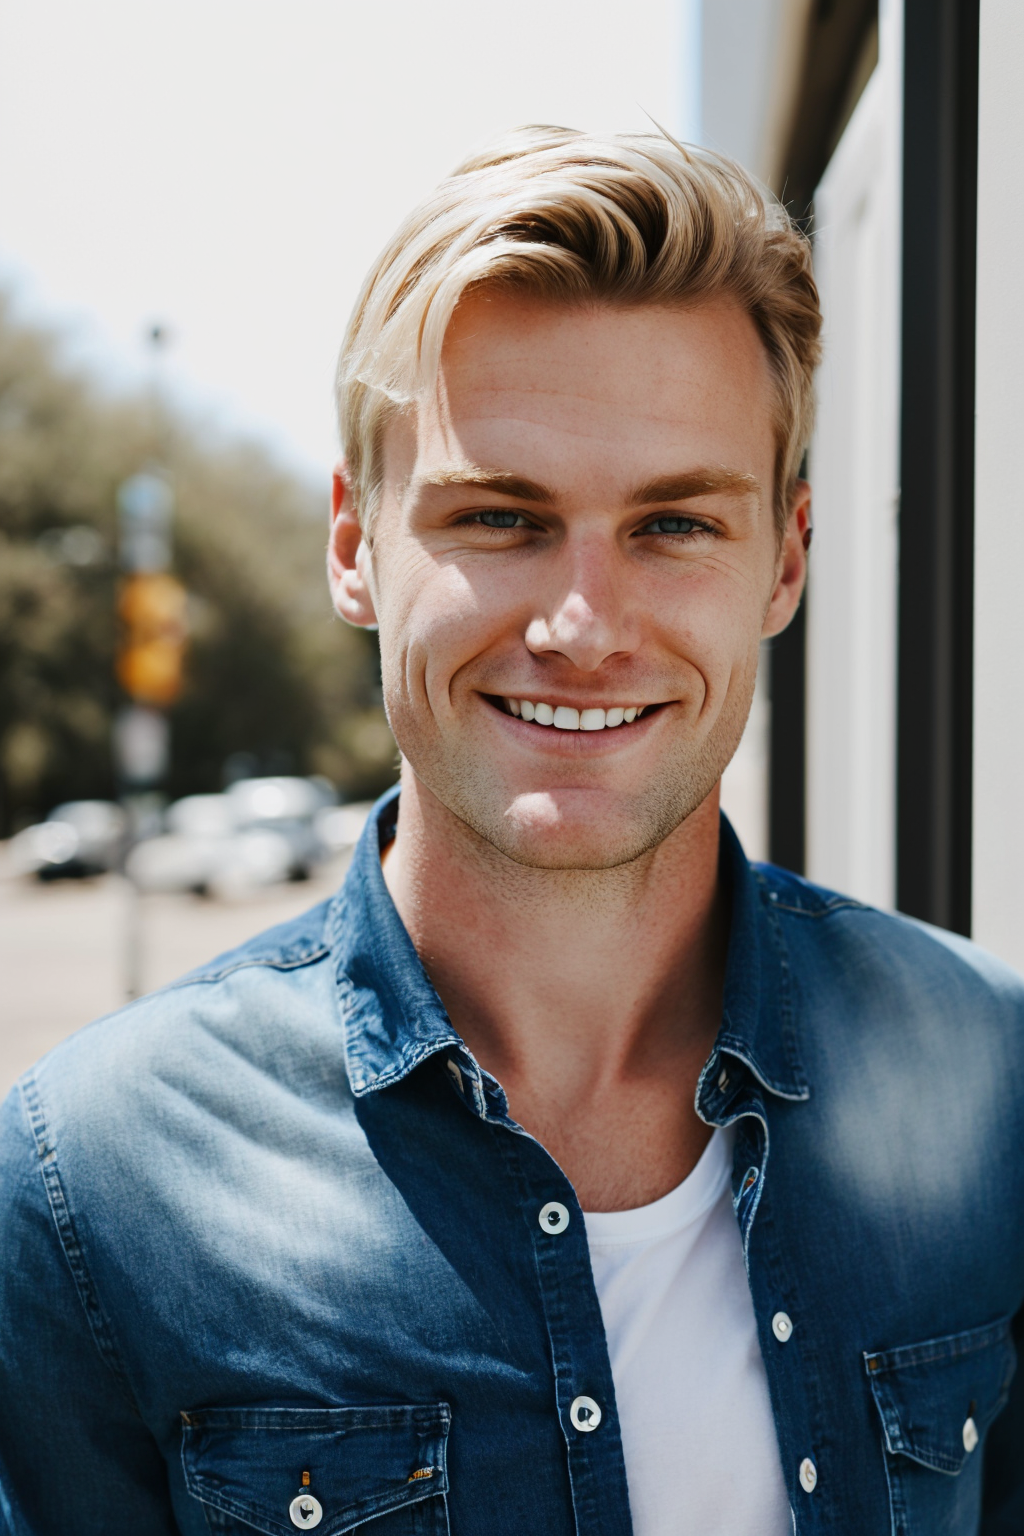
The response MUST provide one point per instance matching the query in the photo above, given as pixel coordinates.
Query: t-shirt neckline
(682, 1206)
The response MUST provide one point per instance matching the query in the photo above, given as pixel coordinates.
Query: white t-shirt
(697, 1428)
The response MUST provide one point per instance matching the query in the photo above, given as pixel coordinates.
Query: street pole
(151, 608)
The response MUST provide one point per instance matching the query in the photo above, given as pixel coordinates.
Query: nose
(586, 613)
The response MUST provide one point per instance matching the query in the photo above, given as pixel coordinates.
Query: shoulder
(836, 939)
(208, 1054)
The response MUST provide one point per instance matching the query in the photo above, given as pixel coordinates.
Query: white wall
(751, 55)
(851, 642)
(998, 918)
(745, 781)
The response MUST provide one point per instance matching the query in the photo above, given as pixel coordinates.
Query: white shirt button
(782, 1326)
(970, 1435)
(808, 1475)
(723, 1079)
(585, 1414)
(553, 1217)
(305, 1511)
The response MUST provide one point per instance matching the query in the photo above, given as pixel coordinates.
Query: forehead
(594, 392)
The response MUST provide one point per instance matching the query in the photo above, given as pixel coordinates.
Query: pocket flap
(937, 1399)
(362, 1462)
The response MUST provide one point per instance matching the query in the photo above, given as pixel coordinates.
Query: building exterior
(893, 720)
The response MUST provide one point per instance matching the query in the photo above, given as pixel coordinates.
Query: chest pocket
(936, 1401)
(278, 1470)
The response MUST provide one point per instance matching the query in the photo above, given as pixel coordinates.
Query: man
(564, 1173)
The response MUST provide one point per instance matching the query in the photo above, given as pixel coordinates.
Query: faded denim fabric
(275, 1220)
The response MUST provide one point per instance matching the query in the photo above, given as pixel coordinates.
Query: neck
(605, 983)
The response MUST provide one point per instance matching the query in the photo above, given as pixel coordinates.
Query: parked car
(83, 837)
(259, 832)
(287, 807)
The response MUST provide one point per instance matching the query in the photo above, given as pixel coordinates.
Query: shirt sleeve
(75, 1455)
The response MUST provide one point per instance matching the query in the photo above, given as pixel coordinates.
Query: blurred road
(62, 949)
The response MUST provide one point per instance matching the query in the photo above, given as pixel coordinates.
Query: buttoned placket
(584, 1394)
(729, 1094)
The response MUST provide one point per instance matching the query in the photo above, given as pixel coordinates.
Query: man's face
(581, 519)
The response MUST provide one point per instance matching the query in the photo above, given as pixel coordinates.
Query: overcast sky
(231, 167)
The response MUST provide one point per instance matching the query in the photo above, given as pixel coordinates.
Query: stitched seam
(952, 1347)
(729, 1041)
(371, 1504)
(425, 1418)
(826, 910)
(334, 922)
(411, 1059)
(204, 977)
(99, 1326)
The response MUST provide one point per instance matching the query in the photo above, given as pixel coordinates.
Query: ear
(348, 556)
(791, 566)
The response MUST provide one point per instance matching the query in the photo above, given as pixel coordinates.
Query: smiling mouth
(562, 717)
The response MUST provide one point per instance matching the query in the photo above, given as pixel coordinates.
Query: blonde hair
(629, 219)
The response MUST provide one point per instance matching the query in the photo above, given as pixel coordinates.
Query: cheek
(713, 619)
(437, 620)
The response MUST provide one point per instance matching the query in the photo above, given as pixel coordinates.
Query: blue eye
(671, 525)
(499, 519)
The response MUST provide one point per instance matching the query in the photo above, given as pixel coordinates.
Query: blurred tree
(273, 679)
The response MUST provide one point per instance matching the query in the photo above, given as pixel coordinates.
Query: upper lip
(561, 700)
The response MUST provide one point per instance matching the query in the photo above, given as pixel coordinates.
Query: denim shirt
(271, 1243)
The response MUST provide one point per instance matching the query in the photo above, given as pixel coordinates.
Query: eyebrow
(672, 487)
(474, 478)
(696, 482)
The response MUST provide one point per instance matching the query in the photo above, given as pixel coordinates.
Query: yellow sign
(152, 651)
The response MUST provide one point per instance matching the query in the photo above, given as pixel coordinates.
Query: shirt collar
(394, 1019)
(758, 1006)
(392, 1016)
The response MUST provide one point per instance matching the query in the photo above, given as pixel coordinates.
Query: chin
(539, 831)
(561, 828)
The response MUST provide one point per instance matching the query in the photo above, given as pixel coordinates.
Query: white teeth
(564, 718)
